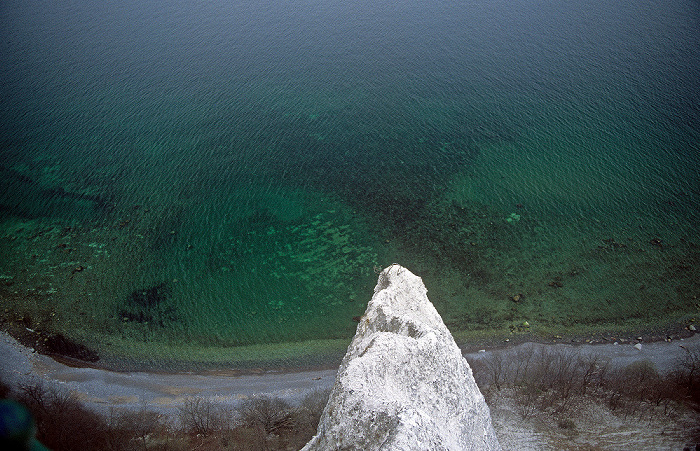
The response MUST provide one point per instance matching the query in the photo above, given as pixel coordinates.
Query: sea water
(230, 173)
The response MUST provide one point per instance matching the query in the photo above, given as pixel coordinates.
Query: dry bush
(307, 417)
(311, 408)
(633, 386)
(269, 415)
(246, 439)
(556, 381)
(685, 378)
(62, 422)
(542, 378)
(496, 370)
(593, 370)
(266, 423)
(272, 423)
(201, 416)
(137, 427)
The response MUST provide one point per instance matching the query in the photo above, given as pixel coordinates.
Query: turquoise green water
(219, 175)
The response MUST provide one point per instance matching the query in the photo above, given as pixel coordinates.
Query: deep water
(223, 173)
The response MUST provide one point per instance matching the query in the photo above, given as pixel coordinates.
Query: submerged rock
(403, 383)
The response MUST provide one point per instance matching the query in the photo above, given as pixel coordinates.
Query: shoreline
(667, 332)
(103, 390)
(316, 355)
(165, 391)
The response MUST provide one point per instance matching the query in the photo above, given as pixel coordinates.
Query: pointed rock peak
(403, 383)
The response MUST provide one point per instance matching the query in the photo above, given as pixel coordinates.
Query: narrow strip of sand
(164, 392)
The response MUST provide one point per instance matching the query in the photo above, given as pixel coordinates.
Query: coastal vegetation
(553, 393)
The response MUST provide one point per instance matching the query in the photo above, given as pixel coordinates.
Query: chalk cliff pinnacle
(403, 383)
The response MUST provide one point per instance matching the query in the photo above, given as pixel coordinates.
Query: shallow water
(218, 175)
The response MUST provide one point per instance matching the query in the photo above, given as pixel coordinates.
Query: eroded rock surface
(403, 383)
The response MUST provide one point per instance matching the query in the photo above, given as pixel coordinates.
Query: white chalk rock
(403, 383)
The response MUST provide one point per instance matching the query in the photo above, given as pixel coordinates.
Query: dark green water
(219, 174)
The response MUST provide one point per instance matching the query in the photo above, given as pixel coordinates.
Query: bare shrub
(522, 365)
(481, 374)
(270, 415)
(546, 379)
(307, 416)
(528, 398)
(593, 369)
(566, 423)
(140, 426)
(201, 416)
(246, 439)
(493, 371)
(556, 380)
(266, 424)
(685, 378)
(633, 386)
(62, 422)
